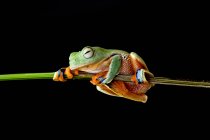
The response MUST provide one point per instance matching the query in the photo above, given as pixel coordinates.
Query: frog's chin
(91, 71)
(86, 69)
(78, 67)
(75, 67)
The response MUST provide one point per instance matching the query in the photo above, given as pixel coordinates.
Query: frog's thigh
(136, 97)
(120, 89)
(121, 92)
(137, 61)
(105, 89)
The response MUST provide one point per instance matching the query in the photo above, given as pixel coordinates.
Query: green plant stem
(84, 76)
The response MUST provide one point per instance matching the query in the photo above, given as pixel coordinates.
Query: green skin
(78, 60)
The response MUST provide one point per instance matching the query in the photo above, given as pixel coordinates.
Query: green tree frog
(105, 64)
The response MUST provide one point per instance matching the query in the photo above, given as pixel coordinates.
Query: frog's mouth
(80, 66)
(91, 68)
(86, 67)
(95, 67)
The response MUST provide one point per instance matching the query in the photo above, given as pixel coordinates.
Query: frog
(105, 65)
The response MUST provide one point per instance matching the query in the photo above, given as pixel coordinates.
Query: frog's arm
(114, 68)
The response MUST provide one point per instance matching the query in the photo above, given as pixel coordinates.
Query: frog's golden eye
(88, 52)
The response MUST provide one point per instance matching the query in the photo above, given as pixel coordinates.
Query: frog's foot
(140, 76)
(98, 78)
(63, 74)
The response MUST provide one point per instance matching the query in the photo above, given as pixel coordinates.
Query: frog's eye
(87, 52)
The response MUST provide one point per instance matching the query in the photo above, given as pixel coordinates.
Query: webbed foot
(140, 76)
(63, 74)
(98, 78)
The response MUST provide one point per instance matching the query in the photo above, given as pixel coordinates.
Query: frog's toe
(68, 74)
(139, 77)
(59, 76)
(55, 77)
(63, 74)
(97, 79)
(134, 79)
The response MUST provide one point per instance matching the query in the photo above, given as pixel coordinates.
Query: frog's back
(121, 52)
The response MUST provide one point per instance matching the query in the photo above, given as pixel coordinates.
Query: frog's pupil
(87, 52)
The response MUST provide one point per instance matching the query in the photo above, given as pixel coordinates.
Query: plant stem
(85, 76)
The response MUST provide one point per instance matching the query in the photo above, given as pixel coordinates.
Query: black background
(172, 38)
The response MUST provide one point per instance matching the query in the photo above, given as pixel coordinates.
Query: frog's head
(87, 56)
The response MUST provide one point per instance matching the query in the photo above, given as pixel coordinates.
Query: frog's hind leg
(118, 89)
(105, 89)
(141, 68)
(121, 90)
(137, 61)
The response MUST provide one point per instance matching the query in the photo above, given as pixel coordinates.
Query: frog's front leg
(63, 74)
(107, 77)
